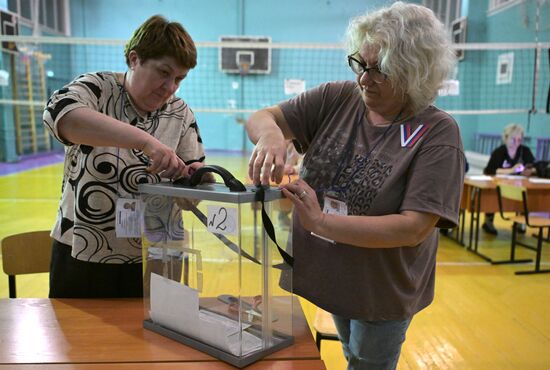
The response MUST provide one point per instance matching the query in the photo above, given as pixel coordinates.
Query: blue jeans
(371, 345)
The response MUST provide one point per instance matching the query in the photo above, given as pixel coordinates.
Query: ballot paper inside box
(213, 278)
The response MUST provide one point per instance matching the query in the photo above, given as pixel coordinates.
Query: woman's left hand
(188, 203)
(307, 206)
(529, 171)
(193, 167)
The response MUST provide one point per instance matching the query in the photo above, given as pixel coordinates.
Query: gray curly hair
(415, 49)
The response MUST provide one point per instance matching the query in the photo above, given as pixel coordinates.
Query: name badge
(128, 218)
(333, 206)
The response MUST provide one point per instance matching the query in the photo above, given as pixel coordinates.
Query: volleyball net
(241, 75)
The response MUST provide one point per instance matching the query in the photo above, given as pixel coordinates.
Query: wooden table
(272, 365)
(108, 334)
(480, 196)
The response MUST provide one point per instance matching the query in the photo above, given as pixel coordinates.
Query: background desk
(480, 196)
(108, 333)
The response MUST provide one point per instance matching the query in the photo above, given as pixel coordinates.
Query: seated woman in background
(511, 158)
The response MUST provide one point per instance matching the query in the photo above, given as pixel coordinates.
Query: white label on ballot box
(222, 220)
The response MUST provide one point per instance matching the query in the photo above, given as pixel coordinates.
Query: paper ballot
(480, 178)
(211, 333)
(538, 180)
(176, 306)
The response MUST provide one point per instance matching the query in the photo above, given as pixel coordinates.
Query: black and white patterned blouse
(95, 177)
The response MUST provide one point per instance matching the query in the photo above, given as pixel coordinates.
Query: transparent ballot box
(213, 276)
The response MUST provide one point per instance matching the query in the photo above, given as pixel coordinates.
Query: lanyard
(120, 118)
(348, 150)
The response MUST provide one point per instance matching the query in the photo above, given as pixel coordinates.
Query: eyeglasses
(359, 68)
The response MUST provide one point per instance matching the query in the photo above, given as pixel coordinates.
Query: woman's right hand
(268, 128)
(518, 168)
(268, 158)
(163, 160)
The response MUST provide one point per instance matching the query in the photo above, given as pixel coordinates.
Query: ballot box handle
(229, 180)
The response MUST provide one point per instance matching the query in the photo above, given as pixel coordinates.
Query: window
(447, 11)
(497, 5)
(458, 35)
(52, 15)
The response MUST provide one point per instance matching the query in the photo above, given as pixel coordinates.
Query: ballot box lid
(211, 191)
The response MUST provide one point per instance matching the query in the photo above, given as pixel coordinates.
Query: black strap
(268, 226)
(235, 248)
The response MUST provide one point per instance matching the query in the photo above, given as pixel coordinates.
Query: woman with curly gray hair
(383, 169)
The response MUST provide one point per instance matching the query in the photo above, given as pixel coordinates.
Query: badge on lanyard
(333, 206)
(128, 218)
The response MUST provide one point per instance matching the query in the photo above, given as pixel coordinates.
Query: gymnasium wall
(516, 24)
(305, 21)
(310, 21)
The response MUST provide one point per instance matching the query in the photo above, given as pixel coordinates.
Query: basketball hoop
(244, 68)
(244, 59)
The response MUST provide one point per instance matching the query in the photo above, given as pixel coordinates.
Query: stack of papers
(511, 177)
(480, 178)
(538, 180)
(230, 335)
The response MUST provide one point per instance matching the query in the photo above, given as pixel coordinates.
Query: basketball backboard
(245, 60)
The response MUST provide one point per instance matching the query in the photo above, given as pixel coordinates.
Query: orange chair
(324, 327)
(25, 253)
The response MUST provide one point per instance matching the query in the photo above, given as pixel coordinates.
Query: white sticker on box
(222, 220)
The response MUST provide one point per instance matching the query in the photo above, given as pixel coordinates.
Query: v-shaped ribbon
(408, 139)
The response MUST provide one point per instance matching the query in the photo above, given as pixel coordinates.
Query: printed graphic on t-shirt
(358, 181)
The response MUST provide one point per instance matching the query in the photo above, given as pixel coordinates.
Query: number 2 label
(222, 220)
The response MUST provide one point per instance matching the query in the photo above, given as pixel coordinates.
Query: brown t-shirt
(416, 164)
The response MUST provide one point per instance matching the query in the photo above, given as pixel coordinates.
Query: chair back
(26, 253)
(324, 327)
(512, 192)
